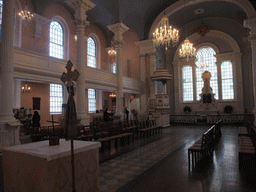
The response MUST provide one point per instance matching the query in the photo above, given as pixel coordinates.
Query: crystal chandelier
(165, 35)
(201, 65)
(112, 95)
(187, 50)
(26, 88)
(26, 15)
(112, 52)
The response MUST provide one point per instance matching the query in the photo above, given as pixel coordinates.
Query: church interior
(163, 95)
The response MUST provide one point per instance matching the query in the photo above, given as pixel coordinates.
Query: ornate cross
(71, 76)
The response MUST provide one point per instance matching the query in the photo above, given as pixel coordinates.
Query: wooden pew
(203, 148)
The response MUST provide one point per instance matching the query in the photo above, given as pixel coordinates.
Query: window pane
(114, 68)
(56, 40)
(91, 100)
(91, 53)
(56, 98)
(227, 80)
(187, 84)
(1, 10)
(206, 56)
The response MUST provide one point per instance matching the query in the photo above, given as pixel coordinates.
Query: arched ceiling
(140, 14)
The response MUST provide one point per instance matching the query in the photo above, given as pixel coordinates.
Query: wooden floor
(160, 163)
(220, 174)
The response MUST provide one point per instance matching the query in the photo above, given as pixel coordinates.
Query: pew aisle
(163, 165)
(117, 172)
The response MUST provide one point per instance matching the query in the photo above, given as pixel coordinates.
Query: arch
(97, 44)
(65, 27)
(212, 33)
(244, 4)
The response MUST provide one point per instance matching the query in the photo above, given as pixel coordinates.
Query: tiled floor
(160, 163)
(163, 166)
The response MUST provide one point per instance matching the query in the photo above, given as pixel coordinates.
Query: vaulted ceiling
(140, 14)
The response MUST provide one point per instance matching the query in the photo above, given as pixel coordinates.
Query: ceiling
(140, 14)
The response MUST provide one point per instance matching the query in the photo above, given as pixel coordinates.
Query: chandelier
(112, 52)
(26, 88)
(201, 65)
(187, 50)
(112, 95)
(26, 15)
(165, 35)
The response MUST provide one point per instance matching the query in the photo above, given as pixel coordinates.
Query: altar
(39, 167)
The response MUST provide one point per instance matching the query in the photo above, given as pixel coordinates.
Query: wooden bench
(203, 148)
(247, 148)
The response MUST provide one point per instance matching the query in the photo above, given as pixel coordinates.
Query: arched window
(205, 55)
(56, 40)
(187, 79)
(227, 80)
(91, 52)
(1, 10)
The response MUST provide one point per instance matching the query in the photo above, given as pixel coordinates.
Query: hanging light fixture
(26, 88)
(26, 15)
(165, 35)
(187, 50)
(112, 95)
(201, 65)
(112, 52)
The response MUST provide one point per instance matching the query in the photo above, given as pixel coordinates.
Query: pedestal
(9, 134)
(43, 168)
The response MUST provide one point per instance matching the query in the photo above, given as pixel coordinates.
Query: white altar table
(38, 167)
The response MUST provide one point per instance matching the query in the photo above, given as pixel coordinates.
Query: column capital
(146, 46)
(251, 24)
(118, 29)
(80, 7)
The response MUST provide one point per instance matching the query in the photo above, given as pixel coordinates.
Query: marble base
(42, 168)
(9, 134)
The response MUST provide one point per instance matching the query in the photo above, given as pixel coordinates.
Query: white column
(152, 70)
(80, 7)
(9, 128)
(119, 29)
(143, 97)
(251, 24)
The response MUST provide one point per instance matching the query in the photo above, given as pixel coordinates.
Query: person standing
(127, 114)
(36, 120)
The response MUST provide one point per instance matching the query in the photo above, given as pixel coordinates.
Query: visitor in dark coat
(36, 120)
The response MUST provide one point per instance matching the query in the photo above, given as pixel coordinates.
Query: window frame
(219, 59)
(65, 28)
(92, 101)
(54, 100)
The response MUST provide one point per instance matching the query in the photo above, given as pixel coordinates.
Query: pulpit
(39, 167)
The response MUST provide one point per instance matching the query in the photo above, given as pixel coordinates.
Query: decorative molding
(177, 6)
(34, 72)
(146, 47)
(118, 29)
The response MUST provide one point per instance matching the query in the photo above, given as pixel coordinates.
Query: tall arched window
(56, 40)
(91, 52)
(1, 10)
(227, 80)
(205, 55)
(187, 79)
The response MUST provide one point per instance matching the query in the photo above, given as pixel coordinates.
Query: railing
(232, 118)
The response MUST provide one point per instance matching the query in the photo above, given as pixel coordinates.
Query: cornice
(34, 72)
